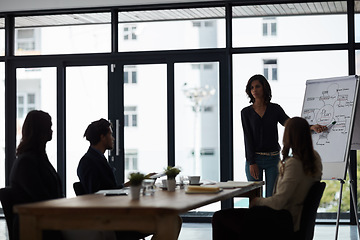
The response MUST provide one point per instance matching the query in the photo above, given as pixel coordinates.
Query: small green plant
(136, 178)
(172, 172)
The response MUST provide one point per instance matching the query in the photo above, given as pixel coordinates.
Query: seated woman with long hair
(299, 169)
(32, 176)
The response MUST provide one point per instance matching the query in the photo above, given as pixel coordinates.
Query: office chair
(78, 188)
(308, 215)
(9, 198)
(6, 202)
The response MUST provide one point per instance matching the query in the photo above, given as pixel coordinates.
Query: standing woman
(259, 121)
(32, 176)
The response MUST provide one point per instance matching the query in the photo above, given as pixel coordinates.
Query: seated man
(93, 170)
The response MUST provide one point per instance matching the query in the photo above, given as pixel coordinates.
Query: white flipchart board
(328, 100)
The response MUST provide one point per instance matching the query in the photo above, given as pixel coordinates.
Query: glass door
(86, 101)
(197, 125)
(197, 119)
(138, 111)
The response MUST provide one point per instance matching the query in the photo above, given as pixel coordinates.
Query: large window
(250, 29)
(158, 30)
(72, 33)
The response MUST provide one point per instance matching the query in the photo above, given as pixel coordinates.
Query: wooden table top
(163, 202)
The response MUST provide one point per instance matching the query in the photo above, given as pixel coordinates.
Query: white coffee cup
(194, 180)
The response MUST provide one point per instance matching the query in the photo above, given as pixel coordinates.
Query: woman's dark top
(34, 177)
(261, 133)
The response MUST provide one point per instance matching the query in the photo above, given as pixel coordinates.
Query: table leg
(167, 227)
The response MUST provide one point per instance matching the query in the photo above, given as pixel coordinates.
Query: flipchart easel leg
(339, 206)
(353, 189)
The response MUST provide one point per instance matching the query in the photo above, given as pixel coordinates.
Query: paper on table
(235, 184)
(205, 189)
(113, 192)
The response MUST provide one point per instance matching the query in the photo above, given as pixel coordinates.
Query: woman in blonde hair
(299, 169)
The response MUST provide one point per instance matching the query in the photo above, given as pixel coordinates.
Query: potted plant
(171, 173)
(135, 181)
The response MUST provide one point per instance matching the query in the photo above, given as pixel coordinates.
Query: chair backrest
(308, 215)
(78, 188)
(6, 202)
(9, 197)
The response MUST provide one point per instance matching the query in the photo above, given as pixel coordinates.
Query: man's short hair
(97, 128)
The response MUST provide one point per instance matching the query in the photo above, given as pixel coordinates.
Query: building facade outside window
(203, 24)
(202, 66)
(131, 160)
(130, 115)
(130, 32)
(130, 75)
(269, 27)
(27, 41)
(271, 69)
(25, 103)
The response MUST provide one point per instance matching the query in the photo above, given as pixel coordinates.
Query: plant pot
(135, 192)
(171, 184)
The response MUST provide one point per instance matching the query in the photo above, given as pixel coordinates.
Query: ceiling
(285, 9)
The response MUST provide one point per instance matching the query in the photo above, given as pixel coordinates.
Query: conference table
(157, 214)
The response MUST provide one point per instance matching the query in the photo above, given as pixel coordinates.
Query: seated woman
(32, 175)
(299, 169)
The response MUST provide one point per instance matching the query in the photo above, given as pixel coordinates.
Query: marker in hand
(330, 125)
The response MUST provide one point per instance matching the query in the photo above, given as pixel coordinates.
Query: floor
(202, 231)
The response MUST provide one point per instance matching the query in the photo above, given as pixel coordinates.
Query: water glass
(148, 187)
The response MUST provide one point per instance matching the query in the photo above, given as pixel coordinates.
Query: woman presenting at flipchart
(259, 121)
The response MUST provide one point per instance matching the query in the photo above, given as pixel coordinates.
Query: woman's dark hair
(297, 137)
(264, 83)
(36, 131)
(97, 128)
